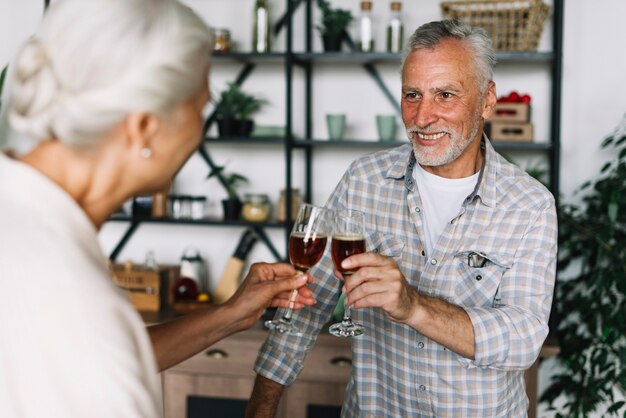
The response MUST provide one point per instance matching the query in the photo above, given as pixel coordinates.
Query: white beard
(454, 149)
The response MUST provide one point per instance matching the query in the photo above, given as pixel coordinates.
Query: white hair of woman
(71, 85)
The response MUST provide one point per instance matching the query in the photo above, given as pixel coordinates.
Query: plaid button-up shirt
(509, 224)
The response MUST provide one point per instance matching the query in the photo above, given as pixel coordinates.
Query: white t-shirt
(442, 199)
(71, 344)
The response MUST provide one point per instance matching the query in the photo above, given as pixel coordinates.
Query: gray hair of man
(93, 62)
(430, 34)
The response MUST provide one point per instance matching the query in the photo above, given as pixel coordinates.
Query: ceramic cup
(336, 125)
(386, 125)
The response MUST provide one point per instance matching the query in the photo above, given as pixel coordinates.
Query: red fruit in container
(514, 97)
(525, 99)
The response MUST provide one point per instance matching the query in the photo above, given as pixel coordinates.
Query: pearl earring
(146, 152)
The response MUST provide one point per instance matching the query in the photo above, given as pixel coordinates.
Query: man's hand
(378, 282)
(269, 285)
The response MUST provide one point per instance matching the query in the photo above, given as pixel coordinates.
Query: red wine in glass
(343, 246)
(348, 240)
(305, 252)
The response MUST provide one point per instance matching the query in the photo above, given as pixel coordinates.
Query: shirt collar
(485, 186)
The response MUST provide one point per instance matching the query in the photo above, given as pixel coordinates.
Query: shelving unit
(306, 61)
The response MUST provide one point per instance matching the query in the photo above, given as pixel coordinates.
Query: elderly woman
(114, 92)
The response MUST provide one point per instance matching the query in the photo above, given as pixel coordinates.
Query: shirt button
(433, 262)
(420, 345)
(422, 388)
(417, 209)
(423, 253)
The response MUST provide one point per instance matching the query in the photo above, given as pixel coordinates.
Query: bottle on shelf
(296, 200)
(261, 30)
(395, 28)
(366, 30)
(150, 263)
(192, 276)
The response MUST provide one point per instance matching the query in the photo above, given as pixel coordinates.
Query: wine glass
(307, 243)
(348, 239)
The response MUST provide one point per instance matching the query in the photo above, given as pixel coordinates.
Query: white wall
(594, 102)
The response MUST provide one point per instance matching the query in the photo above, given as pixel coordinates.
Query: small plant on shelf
(231, 182)
(333, 25)
(234, 111)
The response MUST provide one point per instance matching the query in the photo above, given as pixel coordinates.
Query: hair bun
(35, 90)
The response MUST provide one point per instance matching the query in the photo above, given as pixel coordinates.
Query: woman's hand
(269, 285)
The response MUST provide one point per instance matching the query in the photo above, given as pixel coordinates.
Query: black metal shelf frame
(306, 60)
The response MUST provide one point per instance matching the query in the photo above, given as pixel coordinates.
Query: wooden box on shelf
(510, 131)
(511, 112)
(147, 289)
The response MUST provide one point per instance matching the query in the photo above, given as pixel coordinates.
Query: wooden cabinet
(224, 372)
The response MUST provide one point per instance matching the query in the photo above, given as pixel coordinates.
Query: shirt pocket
(385, 244)
(479, 277)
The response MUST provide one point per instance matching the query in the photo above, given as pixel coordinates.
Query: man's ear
(490, 100)
(141, 128)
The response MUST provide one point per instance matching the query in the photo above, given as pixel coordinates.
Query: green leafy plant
(230, 181)
(236, 104)
(334, 21)
(591, 294)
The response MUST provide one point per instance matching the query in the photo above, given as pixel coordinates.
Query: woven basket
(513, 25)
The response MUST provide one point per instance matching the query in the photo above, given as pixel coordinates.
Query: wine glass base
(346, 329)
(282, 326)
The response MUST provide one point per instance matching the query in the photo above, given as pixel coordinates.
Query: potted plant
(231, 181)
(234, 111)
(591, 294)
(333, 25)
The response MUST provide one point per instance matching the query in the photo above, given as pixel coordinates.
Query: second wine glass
(307, 243)
(348, 239)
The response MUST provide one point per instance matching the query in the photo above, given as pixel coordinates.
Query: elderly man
(455, 293)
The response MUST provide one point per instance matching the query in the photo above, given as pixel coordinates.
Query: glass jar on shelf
(296, 200)
(181, 206)
(221, 41)
(198, 207)
(256, 208)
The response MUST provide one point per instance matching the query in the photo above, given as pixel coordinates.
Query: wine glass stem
(346, 312)
(292, 302)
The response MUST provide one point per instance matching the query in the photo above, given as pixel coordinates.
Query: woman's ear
(141, 128)
(490, 100)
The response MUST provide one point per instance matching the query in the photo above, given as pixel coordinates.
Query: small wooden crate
(511, 112)
(510, 131)
(513, 25)
(148, 290)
